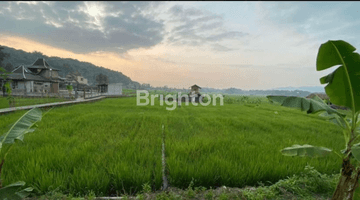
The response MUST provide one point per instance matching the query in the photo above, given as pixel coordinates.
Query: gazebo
(196, 89)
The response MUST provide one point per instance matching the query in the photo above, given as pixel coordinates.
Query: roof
(196, 86)
(30, 77)
(22, 73)
(321, 95)
(21, 69)
(41, 63)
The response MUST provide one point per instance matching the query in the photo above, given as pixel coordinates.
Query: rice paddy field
(114, 147)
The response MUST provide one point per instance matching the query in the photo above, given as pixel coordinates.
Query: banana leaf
(343, 83)
(313, 105)
(305, 150)
(22, 126)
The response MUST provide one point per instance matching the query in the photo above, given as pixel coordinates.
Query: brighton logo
(175, 100)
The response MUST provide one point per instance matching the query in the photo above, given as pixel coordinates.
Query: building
(114, 89)
(194, 94)
(103, 82)
(323, 96)
(38, 77)
(74, 77)
(196, 89)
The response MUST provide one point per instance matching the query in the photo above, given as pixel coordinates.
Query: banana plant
(343, 89)
(25, 124)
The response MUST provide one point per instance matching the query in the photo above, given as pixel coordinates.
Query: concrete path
(78, 100)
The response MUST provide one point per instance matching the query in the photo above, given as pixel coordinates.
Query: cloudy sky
(247, 45)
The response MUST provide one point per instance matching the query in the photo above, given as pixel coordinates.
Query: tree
(343, 86)
(9, 67)
(3, 55)
(73, 77)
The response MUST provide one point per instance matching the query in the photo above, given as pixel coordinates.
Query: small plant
(125, 197)
(70, 89)
(223, 196)
(91, 195)
(140, 197)
(161, 196)
(9, 97)
(209, 195)
(146, 188)
(190, 192)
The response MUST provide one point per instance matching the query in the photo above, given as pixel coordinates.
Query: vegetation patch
(113, 147)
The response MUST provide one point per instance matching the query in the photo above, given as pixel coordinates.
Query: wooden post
(165, 181)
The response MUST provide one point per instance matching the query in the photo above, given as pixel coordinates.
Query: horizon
(268, 45)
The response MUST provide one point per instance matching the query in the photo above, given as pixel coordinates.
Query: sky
(246, 45)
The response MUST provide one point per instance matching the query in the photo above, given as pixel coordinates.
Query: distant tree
(3, 55)
(9, 67)
(38, 54)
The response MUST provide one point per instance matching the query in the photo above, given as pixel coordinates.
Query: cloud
(84, 27)
(318, 20)
(196, 27)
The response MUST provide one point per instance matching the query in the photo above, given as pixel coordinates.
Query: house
(196, 89)
(38, 77)
(77, 76)
(326, 98)
(322, 96)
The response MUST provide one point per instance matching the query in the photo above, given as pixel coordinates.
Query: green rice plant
(113, 147)
(343, 86)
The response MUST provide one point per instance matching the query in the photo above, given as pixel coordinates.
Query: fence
(61, 94)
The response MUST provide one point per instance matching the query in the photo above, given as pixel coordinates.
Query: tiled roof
(29, 77)
(196, 86)
(22, 73)
(40, 63)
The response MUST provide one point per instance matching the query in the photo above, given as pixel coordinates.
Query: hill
(87, 70)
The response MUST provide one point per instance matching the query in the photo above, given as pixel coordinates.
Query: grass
(20, 101)
(113, 147)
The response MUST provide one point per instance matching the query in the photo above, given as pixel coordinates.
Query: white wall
(114, 89)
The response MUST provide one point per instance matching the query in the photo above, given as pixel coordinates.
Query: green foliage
(11, 192)
(237, 99)
(344, 83)
(343, 86)
(209, 195)
(21, 127)
(69, 87)
(146, 188)
(17, 131)
(305, 150)
(313, 105)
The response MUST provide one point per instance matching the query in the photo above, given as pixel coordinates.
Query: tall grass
(113, 146)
